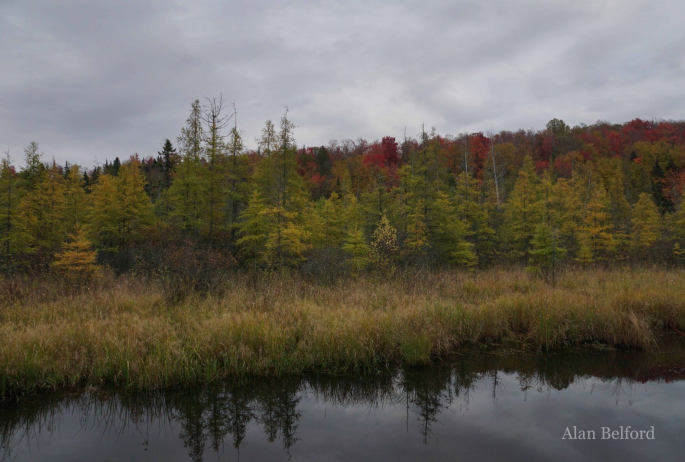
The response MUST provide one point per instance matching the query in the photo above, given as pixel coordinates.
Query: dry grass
(126, 333)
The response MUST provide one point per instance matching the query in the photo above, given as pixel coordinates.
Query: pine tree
(77, 261)
(646, 223)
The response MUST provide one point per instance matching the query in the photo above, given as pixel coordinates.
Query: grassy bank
(125, 332)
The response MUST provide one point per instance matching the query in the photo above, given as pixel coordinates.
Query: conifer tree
(33, 166)
(416, 243)
(105, 214)
(238, 176)
(136, 211)
(357, 249)
(77, 261)
(13, 237)
(186, 194)
(646, 223)
(524, 211)
(545, 254)
(76, 203)
(214, 168)
(169, 159)
(476, 214)
(450, 233)
(595, 234)
(255, 227)
(43, 209)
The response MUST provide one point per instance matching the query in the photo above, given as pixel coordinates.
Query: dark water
(478, 406)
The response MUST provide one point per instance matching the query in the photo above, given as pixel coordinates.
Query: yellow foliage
(77, 261)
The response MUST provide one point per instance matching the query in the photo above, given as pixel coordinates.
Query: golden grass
(126, 333)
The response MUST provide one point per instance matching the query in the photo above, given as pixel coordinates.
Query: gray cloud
(95, 80)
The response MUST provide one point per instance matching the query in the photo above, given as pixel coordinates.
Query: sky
(93, 80)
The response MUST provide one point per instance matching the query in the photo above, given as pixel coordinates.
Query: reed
(126, 332)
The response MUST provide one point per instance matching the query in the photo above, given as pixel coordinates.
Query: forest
(603, 193)
(211, 260)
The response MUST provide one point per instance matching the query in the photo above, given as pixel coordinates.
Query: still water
(479, 406)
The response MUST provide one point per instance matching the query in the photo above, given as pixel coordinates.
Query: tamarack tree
(585, 194)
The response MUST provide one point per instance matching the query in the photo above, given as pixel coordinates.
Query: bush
(187, 268)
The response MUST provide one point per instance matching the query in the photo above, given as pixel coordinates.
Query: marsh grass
(126, 332)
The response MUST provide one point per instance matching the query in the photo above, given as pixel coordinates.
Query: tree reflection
(209, 419)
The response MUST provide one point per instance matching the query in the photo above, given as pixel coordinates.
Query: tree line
(583, 194)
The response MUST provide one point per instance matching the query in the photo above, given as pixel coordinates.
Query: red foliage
(479, 146)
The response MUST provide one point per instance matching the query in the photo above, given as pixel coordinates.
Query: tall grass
(126, 332)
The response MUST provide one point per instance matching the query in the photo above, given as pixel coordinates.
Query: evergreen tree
(169, 159)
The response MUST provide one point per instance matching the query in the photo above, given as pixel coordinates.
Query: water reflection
(398, 410)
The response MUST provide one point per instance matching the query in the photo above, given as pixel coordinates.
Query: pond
(481, 405)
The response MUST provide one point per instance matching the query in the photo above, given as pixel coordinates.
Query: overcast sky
(91, 80)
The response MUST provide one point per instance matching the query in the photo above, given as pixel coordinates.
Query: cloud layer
(94, 80)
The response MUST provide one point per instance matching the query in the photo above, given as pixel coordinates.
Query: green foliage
(524, 210)
(384, 248)
(595, 233)
(14, 240)
(545, 255)
(358, 250)
(603, 193)
(646, 226)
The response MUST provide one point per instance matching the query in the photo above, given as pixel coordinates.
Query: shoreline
(124, 332)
